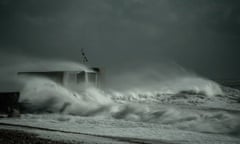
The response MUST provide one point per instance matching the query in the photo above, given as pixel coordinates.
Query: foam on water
(137, 101)
(44, 95)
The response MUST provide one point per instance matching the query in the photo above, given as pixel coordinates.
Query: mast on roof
(84, 58)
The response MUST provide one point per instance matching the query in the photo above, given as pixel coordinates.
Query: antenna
(84, 58)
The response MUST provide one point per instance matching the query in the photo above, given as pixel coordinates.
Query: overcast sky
(201, 35)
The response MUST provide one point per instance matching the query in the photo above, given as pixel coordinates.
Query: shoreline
(21, 137)
(14, 135)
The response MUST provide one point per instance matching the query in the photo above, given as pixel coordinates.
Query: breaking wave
(134, 102)
(41, 94)
(44, 95)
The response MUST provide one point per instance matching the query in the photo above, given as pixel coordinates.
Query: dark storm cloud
(202, 35)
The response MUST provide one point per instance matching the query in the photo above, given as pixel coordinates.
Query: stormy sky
(200, 35)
